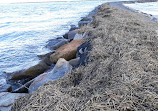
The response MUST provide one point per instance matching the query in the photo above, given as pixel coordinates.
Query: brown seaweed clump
(121, 75)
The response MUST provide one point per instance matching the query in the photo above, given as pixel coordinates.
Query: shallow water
(149, 8)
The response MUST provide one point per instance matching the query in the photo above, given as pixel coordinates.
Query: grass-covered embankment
(122, 72)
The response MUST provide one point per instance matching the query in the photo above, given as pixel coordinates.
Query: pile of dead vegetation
(121, 72)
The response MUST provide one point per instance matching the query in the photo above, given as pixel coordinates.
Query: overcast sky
(17, 1)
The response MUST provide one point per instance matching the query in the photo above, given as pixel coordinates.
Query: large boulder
(67, 51)
(61, 68)
(33, 71)
(7, 99)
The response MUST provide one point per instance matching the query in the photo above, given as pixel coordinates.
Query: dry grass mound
(123, 74)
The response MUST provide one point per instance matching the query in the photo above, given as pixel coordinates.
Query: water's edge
(18, 83)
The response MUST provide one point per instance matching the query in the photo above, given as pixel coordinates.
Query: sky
(18, 1)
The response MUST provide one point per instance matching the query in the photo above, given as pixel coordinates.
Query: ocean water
(149, 8)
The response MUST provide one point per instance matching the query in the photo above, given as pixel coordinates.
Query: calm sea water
(149, 8)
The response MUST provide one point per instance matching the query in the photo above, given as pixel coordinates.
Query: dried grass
(122, 77)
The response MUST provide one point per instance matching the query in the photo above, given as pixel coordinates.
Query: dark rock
(71, 34)
(56, 43)
(61, 68)
(22, 85)
(46, 60)
(74, 62)
(67, 51)
(59, 38)
(7, 99)
(86, 19)
(52, 42)
(73, 27)
(83, 53)
(33, 71)
(15, 84)
(10, 75)
(24, 88)
(65, 35)
(45, 55)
